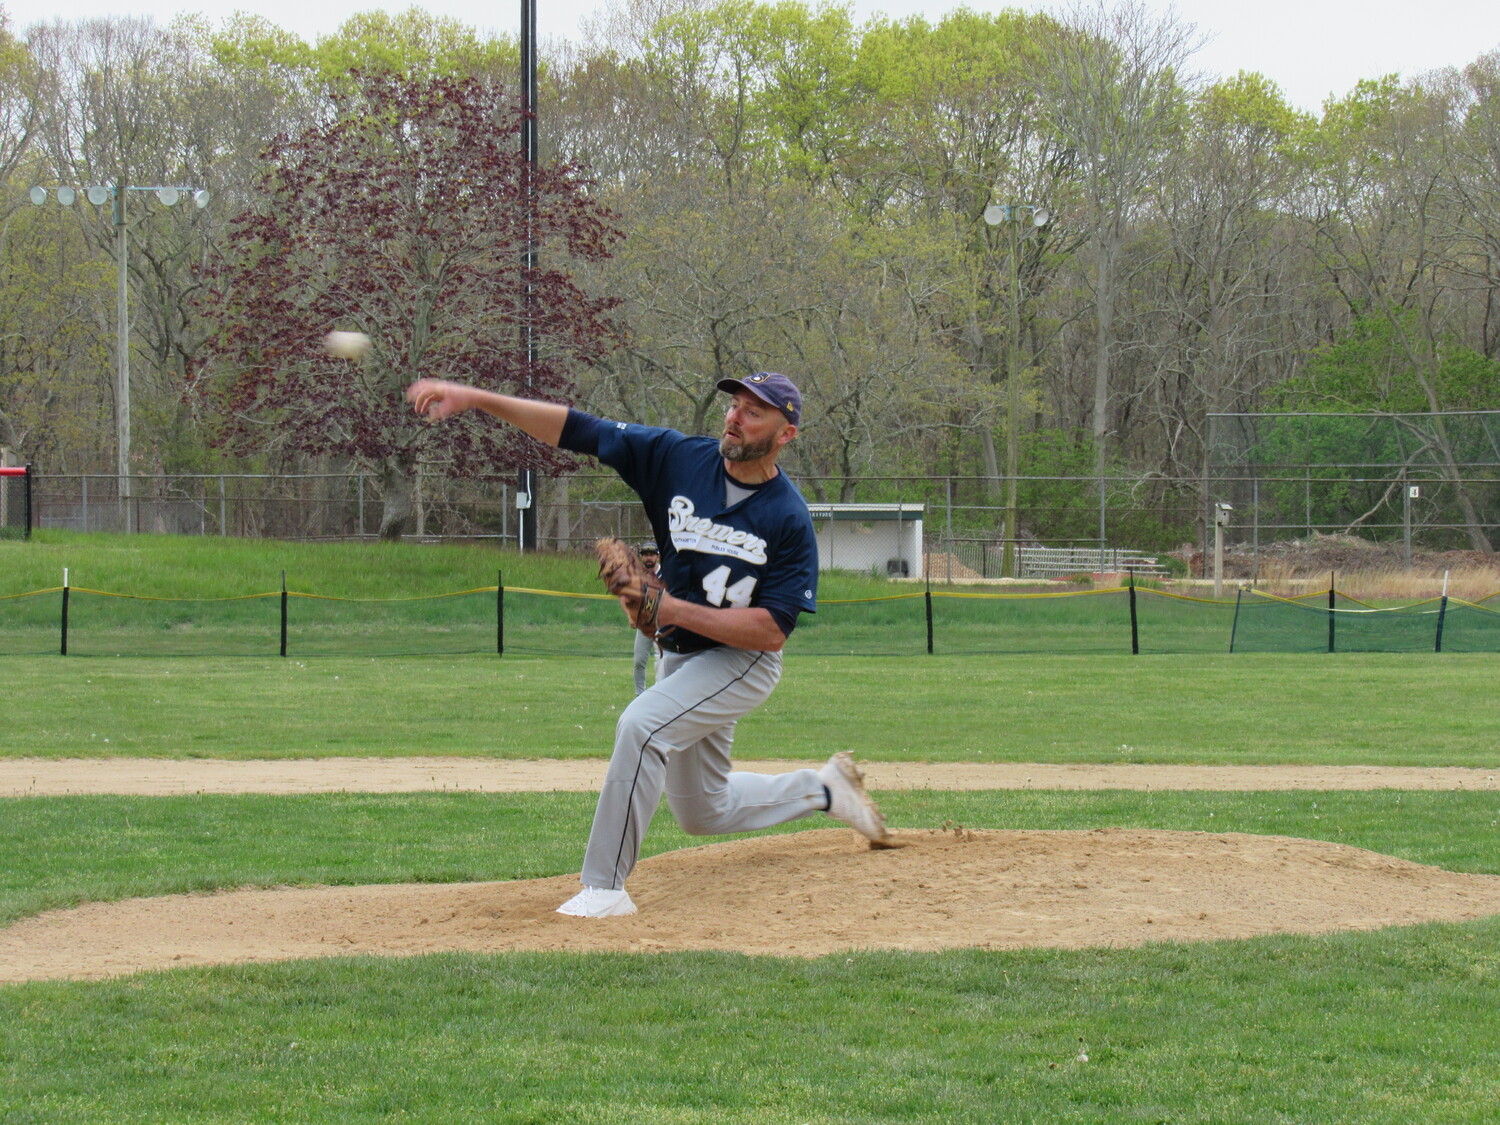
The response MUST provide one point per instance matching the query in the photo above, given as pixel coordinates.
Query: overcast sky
(1310, 48)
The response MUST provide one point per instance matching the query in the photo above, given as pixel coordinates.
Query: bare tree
(1112, 86)
(1231, 297)
(18, 104)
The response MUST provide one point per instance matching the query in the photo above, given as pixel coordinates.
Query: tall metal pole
(526, 512)
(116, 194)
(1012, 407)
(122, 361)
(994, 215)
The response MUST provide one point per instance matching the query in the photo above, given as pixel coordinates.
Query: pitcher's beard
(744, 451)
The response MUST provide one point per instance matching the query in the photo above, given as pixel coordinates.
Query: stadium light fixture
(99, 195)
(1014, 214)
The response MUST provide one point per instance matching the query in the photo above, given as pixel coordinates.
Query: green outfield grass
(1394, 1026)
(1251, 709)
(1398, 1026)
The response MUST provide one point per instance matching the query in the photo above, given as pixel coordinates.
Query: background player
(645, 646)
(740, 563)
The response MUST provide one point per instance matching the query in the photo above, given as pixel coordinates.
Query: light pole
(114, 194)
(526, 499)
(1013, 214)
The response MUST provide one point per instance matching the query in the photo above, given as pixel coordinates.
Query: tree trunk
(398, 489)
(1473, 522)
(991, 464)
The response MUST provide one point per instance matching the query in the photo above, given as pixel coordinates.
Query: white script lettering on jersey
(691, 533)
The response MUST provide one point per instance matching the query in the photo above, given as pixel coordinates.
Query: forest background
(763, 186)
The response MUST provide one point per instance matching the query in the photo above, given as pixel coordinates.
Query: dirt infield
(164, 777)
(802, 894)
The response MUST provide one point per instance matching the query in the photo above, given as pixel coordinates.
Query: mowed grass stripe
(1370, 709)
(1378, 1028)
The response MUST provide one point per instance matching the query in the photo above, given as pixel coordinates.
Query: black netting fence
(1331, 622)
(517, 620)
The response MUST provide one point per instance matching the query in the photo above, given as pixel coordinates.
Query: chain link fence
(1100, 523)
(15, 502)
(1423, 481)
(1066, 525)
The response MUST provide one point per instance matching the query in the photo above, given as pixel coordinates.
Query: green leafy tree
(1397, 402)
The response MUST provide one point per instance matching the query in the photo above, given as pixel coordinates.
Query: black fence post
(1442, 613)
(26, 490)
(500, 613)
(928, 598)
(283, 613)
(1239, 592)
(65, 613)
(1135, 635)
(1332, 576)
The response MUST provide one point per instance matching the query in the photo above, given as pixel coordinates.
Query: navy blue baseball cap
(771, 388)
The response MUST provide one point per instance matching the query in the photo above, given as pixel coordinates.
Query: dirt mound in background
(1319, 555)
(800, 894)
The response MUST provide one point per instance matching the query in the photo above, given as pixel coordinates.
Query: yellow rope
(151, 598)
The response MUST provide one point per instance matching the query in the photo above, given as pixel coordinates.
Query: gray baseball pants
(676, 738)
(642, 659)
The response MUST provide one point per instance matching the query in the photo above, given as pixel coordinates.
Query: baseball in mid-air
(347, 345)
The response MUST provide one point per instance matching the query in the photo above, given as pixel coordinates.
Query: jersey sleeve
(791, 588)
(637, 453)
(580, 433)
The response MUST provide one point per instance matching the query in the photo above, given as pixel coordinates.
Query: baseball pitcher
(739, 565)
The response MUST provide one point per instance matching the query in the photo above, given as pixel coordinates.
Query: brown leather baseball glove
(625, 576)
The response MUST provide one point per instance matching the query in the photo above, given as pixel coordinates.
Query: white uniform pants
(676, 738)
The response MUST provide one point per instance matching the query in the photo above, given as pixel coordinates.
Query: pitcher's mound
(803, 894)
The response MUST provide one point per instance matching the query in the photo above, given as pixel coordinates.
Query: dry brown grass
(1470, 584)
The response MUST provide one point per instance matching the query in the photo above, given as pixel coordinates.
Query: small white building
(884, 538)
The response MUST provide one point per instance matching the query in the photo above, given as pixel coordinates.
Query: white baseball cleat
(596, 902)
(848, 800)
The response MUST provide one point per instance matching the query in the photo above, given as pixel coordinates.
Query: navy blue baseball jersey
(752, 550)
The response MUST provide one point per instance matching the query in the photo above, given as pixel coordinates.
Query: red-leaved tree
(405, 217)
